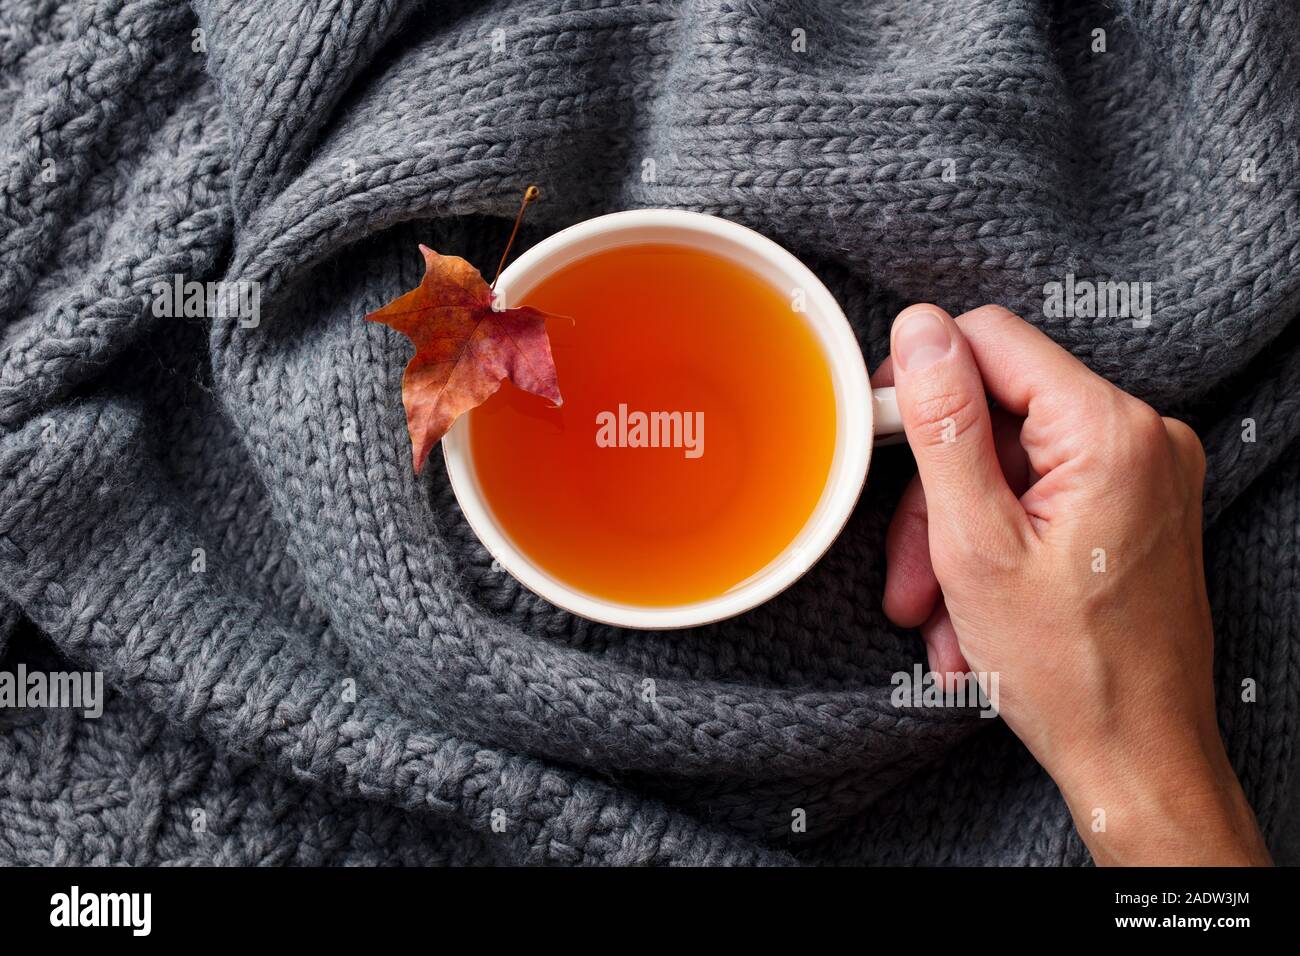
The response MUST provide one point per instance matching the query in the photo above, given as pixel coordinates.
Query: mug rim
(853, 407)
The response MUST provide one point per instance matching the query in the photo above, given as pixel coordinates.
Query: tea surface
(581, 490)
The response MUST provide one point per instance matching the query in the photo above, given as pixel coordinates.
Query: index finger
(1020, 364)
(1069, 409)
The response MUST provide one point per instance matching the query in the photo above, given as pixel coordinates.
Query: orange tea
(695, 438)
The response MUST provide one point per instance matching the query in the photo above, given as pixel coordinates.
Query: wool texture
(311, 658)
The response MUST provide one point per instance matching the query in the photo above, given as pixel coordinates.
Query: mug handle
(888, 423)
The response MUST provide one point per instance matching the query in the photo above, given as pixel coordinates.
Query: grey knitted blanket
(310, 658)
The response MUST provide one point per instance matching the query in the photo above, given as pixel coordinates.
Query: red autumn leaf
(463, 348)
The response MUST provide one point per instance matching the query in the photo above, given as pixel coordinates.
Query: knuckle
(1145, 421)
(1187, 444)
(991, 319)
(993, 314)
(943, 416)
(1134, 430)
(1148, 431)
(1183, 436)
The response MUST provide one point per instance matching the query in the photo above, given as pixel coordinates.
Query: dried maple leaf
(464, 348)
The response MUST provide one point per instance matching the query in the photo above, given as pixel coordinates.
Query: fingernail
(920, 339)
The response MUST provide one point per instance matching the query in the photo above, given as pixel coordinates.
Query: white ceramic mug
(861, 413)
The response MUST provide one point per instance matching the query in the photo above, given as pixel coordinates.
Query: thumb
(946, 417)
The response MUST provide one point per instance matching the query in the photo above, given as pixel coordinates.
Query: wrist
(1177, 805)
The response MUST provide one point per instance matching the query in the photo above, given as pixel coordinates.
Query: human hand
(1056, 541)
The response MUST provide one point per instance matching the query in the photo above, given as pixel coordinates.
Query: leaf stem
(531, 193)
